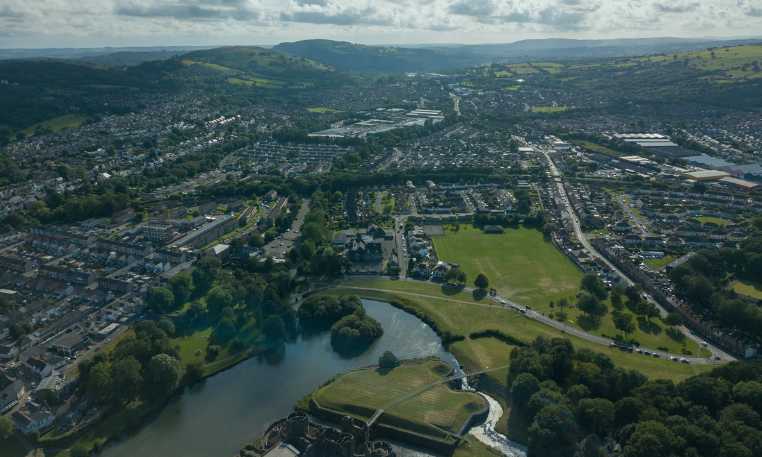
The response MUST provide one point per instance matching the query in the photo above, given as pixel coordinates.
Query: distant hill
(570, 49)
(127, 58)
(341, 54)
(84, 53)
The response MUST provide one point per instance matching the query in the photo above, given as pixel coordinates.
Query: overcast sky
(94, 23)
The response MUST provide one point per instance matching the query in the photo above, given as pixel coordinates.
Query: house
(11, 390)
(71, 342)
(422, 269)
(8, 352)
(17, 265)
(123, 216)
(43, 367)
(621, 227)
(32, 416)
(221, 251)
(440, 271)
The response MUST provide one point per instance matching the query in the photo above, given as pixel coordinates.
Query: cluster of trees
(704, 278)
(573, 399)
(355, 332)
(324, 311)
(318, 256)
(144, 363)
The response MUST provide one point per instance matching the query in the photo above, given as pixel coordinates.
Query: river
(218, 416)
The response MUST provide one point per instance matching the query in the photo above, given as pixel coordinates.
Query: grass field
(548, 109)
(482, 353)
(200, 341)
(520, 264)
(750, 288)
(465, 319)
(659, 263)
(718, 221)
(323, 110)
(57, 123)
(435, 412)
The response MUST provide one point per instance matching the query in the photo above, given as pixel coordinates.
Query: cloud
(128, 22)
(679, 8)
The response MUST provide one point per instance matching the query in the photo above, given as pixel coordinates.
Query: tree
(481, 281)
(218, 299)
(195, 369)
(616, 300)
(674, 319)
(524, 386)
(166, 325)
(206, 271)
(163, 375)
(100, 384)
(388, 360)
(598, 413)
(6, 428)
(16, 331)
(160, 299)
(256, 240)
(273, 327)
(181, 285)
(128, 381)
(307, 250)
(547, 228)
(589, 304)
(79, 449)
(591, 283)
(624, 322)
(293, 255)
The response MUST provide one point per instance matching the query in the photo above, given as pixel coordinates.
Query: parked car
(684, 360)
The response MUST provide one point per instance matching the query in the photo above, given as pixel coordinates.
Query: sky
(97, 23)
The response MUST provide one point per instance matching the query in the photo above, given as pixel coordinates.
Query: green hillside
(341, 54)
(265, 68)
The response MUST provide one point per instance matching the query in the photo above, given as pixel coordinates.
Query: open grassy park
(520, 264)
(750, 288)
(660, 263)
(716, 220)
(57, 123)
(435, 411)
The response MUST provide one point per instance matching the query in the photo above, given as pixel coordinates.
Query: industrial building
(705, 175)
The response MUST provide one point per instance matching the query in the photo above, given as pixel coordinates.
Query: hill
(341, 54)
(571, 49)
(266, 68)
(127, 58)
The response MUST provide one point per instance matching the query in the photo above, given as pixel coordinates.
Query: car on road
(296, 231)
(674, 359)
(656, 355)
(97, 348)
(717, 357)
(646, 353)
(684, 360)
(639, 351)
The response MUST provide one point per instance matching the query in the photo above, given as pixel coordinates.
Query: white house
(32, 416)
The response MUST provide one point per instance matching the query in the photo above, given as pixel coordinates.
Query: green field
(57, 123)
(659, 263)
(463, 229)
(548, 109)
(436, 411)
(520, 264)
(200, 341)
(323, 110)
(750, 288)
(718, 221)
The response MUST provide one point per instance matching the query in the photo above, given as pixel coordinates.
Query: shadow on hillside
(479, 295)
(450, 291)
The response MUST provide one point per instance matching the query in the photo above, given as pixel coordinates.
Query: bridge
(375, 417)
(463, 375)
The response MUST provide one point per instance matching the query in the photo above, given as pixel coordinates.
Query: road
(496, 302)
(456, 101)
(724, 356)
(279, 246)
(634, 218)
(399, 234)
